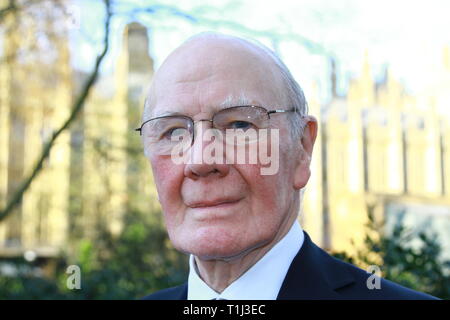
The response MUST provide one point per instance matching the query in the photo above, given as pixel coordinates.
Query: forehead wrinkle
(233, 100)
(212, 69)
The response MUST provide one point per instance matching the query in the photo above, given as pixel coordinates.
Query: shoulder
(314, 274)
(173, 293)
(381, 288)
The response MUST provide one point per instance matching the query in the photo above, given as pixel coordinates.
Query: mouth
(213, 204)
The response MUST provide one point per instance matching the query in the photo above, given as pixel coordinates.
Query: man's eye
(174, 133)
(240, 125)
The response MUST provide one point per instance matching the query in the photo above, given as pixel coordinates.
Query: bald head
(212, 69)
(210, 53)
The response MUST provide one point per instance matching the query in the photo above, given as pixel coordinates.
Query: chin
(217, 244)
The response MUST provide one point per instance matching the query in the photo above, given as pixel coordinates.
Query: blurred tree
(412, 258)
(139, 261)
(16, 198)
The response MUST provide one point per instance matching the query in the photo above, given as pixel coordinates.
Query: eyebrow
(230, 101)
(169, 113)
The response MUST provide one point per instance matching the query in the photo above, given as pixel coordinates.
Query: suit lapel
(314, 274)
(181, 294)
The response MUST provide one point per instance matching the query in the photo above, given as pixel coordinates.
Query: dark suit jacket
(314, 274)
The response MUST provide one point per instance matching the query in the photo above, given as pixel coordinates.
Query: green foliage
(137, 262)
(141, 260)
(411, 258)
(28, 287)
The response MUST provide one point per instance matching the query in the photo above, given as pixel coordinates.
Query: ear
(302, 171)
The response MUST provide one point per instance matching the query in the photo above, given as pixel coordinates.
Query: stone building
(381, 149)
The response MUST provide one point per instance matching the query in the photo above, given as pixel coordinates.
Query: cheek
(271, 194)
(268, 196)
(168, 179)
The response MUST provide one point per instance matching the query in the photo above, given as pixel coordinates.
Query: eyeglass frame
(268, 112)
(192, 121)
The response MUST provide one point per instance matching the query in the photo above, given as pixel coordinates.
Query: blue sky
(408, 36)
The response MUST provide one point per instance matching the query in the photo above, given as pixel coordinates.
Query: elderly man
(239, 224)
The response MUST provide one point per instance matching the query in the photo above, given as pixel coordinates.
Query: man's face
(222, 210)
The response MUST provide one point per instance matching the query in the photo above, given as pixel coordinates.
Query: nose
(196, 167)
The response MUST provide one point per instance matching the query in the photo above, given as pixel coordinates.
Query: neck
(219, 274)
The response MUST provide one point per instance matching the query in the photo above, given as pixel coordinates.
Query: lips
(214, 203)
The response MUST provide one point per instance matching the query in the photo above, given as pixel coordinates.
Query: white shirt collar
(262, 281)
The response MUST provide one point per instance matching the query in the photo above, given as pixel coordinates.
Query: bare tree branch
(13, 7)
(77, 107)
(9, 8)
(17, 25)
(193, 18)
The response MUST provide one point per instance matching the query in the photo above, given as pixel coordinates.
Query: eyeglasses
(161, 134)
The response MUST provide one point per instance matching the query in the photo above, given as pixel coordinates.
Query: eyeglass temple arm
(281, 110)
